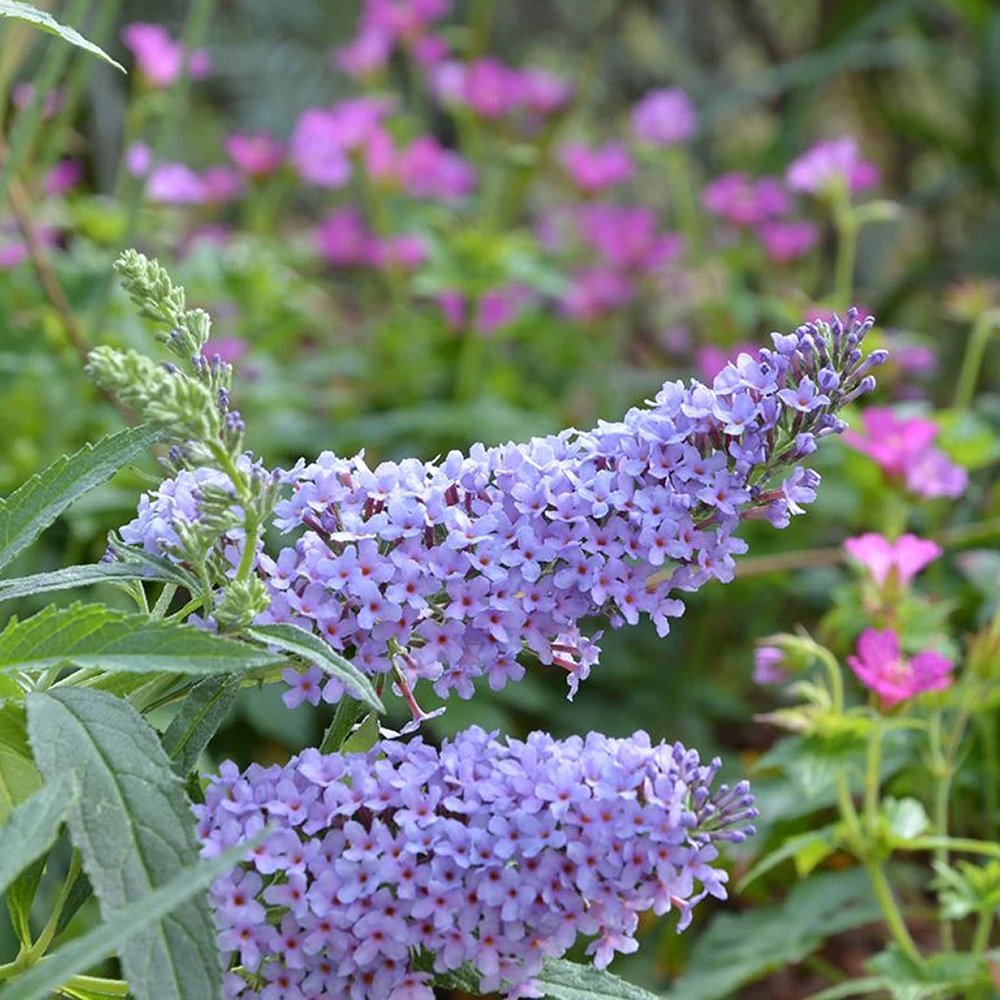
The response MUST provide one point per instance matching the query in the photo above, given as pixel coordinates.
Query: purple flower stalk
(496, 854)
(453, 571)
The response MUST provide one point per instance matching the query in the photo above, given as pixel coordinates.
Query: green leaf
(201, 713)
(115, 934)
(564, 980)
(945, 974)
(90, 635)
(31, 508)
(363, 737)
(808, 844)
(31, 828)
(310, 647)
(133, 828)
(19, 778)
(42, 19)
(768, 937)
(73, 576)
(348, 712)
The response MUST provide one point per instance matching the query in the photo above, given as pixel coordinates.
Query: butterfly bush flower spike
(468, 568)
(495, 854)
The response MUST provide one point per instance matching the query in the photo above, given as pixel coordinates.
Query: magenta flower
(881, 667)
(365, 55)
(159, 57)
(784, 241)
(907, 556)
(344, 240)
(490, 88)
(255, 154)
(829, 164)
(426, 169)
(543, 92)
(174, 184)
(904, 451)
(12, 254)
(229, 349)
(452, 306)
(220, 184)
(138, 159)
(595, 292)
(744, 201)
(767, 666)
(625, 236)
(499, 307)
(318, 148)
(64, 175)
(595, 170)
(664, 117)
(406, 251)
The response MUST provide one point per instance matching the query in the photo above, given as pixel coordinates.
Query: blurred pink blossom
(499, 307)
(787, 240)
(220, 183)
(595, 170)
(767, 669)
(160, 57)
(229, 349)
(744, 201)
(427, 170)
(316, 150)
(664, 117)
(344, 240)
(366, 54)
(903, 449)
(452, 305)
(625, 236)
(12, 254)
(830, 164)
(255, 154)
(881, 667)
(490, 88)
(543, 92)
(594, 292)
(23, 94)
(138, 159)
(710, 359)
(907, 555)
(405, 250)
(174, 184)
(64, 175)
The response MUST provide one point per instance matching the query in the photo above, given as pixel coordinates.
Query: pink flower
(229, 349)
(366, 54)
(257, 154)
(785, 241)
(12, 254)
(427, 170)
(499, 307)
(830, 164)
(316, 150)
(62, 177)
(595, 292)
(881, 667)
(24, 93)
(220, 184)
(452, 305)
(625, 236)
(710, 359)
(159, 57)
(903, 450)
(664, 117)
(767, 666)
(138, 159)
(406, 251)
(596, 170)
(344, 240)
(490, 88)
(543, 92)
(907, 556)
(743, 201)
(174, 184)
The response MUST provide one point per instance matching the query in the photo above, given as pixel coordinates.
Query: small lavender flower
(496, 854)
(452, 571)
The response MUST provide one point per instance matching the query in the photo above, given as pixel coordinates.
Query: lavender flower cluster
(448, 572)
(495, 854)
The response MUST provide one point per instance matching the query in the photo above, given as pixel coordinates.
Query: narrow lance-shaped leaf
(310, 647)
(562, 980)
(43, 979)
(74, 576)
(90, 635)
(201, 713)
(31, 828)
(31, 508)
(44, 20)
(133, 827)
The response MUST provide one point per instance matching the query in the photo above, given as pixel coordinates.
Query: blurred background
(421, 225)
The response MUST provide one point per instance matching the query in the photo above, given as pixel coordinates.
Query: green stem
(987, 725)
(985, 848)
(49, 931)
(829, 661)
(847, 247)
(89, 986)
(972, 362)
(943, 772)
(981, 936)
(163, 601)
(681, 186)
(876, 871)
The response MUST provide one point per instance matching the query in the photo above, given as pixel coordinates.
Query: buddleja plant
(368, 867)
